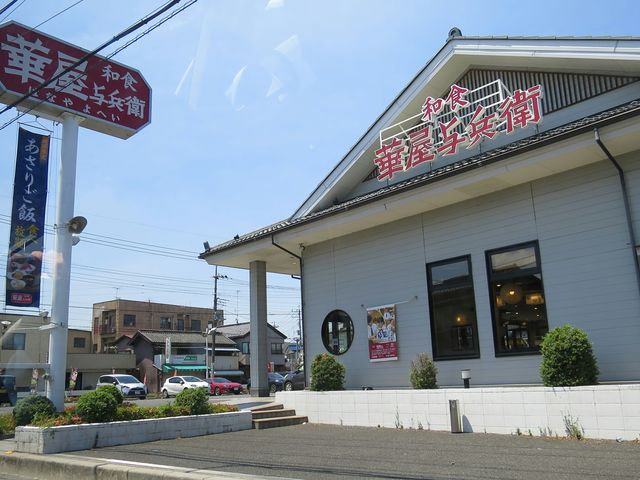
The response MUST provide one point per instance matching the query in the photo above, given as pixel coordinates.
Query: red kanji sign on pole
(112, 98)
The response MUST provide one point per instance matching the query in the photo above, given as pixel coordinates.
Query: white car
(129, 385)
(174, 385)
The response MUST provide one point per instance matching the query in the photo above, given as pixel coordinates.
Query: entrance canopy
(168, 367)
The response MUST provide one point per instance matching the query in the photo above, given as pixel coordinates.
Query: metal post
(454, 414)
(213, 352)
(206, 355)
(62, 261)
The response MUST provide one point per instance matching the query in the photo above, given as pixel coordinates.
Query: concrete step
(262, 414)
(268, 406)
(280, 422)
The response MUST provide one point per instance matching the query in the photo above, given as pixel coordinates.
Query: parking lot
(334, 452)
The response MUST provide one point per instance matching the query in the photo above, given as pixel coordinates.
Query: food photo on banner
(26, 237)
(382, 332)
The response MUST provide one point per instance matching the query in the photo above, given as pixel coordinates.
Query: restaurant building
(496, 198)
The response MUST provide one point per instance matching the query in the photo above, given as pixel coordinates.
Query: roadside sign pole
(62, 261)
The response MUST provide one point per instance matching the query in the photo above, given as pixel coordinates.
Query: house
(25, 347)
(496, 198)
(241, 334)
(118, 317)
(160, 354)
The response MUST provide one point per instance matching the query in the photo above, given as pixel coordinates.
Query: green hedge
(196, 399)
(326, 373)
(423, 372)
(113, 391)
(28, 408)
(567, 358)
(97, 406)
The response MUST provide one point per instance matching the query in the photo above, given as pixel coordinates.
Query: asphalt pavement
(338, 452)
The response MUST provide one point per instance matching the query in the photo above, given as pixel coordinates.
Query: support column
(62, 262)
(258, 328)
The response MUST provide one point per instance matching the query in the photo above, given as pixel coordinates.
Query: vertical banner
(73, 378)
(26, 237)
(381, 327)
(34, 381)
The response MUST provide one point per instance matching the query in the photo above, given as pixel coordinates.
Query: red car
(222, 386)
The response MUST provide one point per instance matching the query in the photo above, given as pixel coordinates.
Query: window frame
(166, 321)
(351, 330)
(76, 341)
(476, 339)
(275, 351)
(6, 345)
(491, 277)
(131, 318)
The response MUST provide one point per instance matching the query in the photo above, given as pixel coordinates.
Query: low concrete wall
(95, 435)
(602, 411)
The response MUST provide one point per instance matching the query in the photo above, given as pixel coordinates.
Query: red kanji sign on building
(112, 98)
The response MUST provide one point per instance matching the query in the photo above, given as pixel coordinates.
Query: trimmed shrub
(7, 423)
(567, 358)
(97, 406)
(423, 372)
(326, 373)
(27, 408)
(114, 392)
(196, 399)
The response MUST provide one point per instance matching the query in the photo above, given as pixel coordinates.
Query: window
(13, 341)
(245, 347)
(517, 299)
(452, 308)
(276, 348)
(180, 325)
(129, 320)
(195, 325)
(78, 342)
(337, 332)
(165, 323)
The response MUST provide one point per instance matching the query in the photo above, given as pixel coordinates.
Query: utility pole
(216, 277)
(298, 311)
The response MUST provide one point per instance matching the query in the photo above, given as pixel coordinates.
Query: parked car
(174, 385)
(222, 386)
(294, 380)
(129, 385)
(276, 382)
(8, 392)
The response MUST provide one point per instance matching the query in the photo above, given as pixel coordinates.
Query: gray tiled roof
(535, 141)
(177, 338)
(241, 329)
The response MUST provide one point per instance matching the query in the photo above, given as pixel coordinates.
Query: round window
(337, 332)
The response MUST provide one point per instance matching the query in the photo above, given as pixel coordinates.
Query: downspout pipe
(304, 330)
(625, 197)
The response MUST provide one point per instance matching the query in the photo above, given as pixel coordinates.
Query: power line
(54, 16)
(9, 5)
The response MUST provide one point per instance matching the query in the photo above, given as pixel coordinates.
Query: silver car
(174, 385)
(129, 385)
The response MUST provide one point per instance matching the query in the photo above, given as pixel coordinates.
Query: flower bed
(100, 419)
(67, 438)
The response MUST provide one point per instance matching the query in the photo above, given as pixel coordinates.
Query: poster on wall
(382, 328)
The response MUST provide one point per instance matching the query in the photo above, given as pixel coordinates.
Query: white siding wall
(588, 275)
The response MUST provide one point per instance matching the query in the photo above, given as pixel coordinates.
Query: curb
(63, 467)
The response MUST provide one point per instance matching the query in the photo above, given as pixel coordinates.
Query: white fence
(601, 411)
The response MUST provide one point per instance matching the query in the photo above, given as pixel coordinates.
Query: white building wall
(588, 274)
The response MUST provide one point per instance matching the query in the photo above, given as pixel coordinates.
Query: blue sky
(253, 103)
